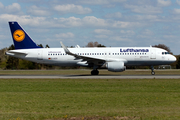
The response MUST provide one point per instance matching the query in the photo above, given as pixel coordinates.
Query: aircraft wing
(84, 58)
(95, 60)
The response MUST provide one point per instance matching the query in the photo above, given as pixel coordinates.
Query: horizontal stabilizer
(13, 52)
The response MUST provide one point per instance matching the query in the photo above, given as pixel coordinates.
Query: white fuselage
(131, 56)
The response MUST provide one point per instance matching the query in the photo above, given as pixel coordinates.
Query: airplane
(115, 59)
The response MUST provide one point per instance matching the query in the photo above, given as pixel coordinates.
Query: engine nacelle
(116, 66)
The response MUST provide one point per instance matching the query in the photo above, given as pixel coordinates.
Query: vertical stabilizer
(20, 37)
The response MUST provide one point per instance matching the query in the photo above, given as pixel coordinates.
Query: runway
(89, 77)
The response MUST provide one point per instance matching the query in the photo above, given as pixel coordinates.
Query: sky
(113, 23)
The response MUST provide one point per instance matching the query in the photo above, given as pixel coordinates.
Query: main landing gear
(152, 70)
(94, 72)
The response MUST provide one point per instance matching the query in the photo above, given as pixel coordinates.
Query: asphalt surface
(90, 77)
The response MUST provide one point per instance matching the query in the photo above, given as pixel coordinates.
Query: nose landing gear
(152, 70)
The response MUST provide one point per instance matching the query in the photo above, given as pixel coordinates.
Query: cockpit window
(165, 53)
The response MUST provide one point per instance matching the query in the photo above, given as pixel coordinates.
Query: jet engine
(116, 66)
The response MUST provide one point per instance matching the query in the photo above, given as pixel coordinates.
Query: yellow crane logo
(19, 35)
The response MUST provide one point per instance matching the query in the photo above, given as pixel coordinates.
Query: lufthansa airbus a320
(115, 59)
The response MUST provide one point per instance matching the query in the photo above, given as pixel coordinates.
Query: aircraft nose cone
(173, 59)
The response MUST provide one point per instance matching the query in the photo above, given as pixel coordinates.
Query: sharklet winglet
(65, 48)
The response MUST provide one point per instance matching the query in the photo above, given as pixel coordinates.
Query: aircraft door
(40, 55)
(153, 54)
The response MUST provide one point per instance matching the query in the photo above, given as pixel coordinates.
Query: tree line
(8, 62)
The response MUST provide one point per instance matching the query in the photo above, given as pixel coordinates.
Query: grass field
(54, 99)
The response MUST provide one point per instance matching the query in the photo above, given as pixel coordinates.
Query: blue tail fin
(20, 38)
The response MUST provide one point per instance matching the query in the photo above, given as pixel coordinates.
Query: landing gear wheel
(152, 73)
(94, 72)
(152, 70)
